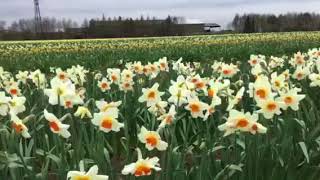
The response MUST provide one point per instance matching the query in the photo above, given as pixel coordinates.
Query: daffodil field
(233, 118)
(25, 55)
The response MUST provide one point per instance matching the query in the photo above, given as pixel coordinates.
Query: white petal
(100, 104)
(65, 133)
(96, 119)
(93, 170)
(142, 99)
(101, 177)
(25, 134)
(153, 161)
(49, 116)
(162, 146)
(129, 169)
(116, 126)
(74, 173)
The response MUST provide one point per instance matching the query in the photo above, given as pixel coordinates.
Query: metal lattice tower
(37, 17)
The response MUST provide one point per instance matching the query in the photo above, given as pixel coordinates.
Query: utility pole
(37, 18)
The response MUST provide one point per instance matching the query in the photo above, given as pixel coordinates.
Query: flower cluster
(168, 92)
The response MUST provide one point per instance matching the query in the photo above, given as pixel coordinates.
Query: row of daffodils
(272, 87)
(35, 48)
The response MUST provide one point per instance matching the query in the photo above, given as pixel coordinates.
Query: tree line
(129, 27)
(24, 29)
(48, 24)
(104, 27)
(52, 28)
(251, 23)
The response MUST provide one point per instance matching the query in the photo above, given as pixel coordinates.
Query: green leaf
(236, 167)
(217, 148)
(241, 143)
(304, 150)
(55, 158)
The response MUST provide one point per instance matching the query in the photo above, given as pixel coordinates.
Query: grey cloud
(220, 11)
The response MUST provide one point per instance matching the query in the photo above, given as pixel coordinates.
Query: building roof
(212, 25)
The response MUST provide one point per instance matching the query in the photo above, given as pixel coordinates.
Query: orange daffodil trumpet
(196, 107)
(163, 64)
(256, 60)
(151, 95)
(142, 167)
(261, 89)
(19, 126)
(127, 81)
(239, 121)
(278, 82)
(127, 75)
(198, 82)
(104, 85)
(215, 86)
(152, 140)
(137, 67)
(13, 88)
(228, 70)
(225, 70)
(153, 70)
(213, 90)
(62, 75)
(106, 119)
(270, 107)
(56, 125)
(291, 99)
(298, 59)
(314, 53)
(114, 75)
(301, 72)
(167, 118)
(126, 86)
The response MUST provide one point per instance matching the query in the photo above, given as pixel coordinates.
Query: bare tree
(14, 27)
(85, 23)
(66, 24)
(2, 25)
(273, 23)
(74, 24)
(26, 25)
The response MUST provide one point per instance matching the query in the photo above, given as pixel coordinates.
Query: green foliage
(197, 149)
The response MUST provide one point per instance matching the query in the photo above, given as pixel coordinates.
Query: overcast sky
(219, 11)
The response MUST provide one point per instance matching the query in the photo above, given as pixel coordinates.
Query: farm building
(211, 27)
